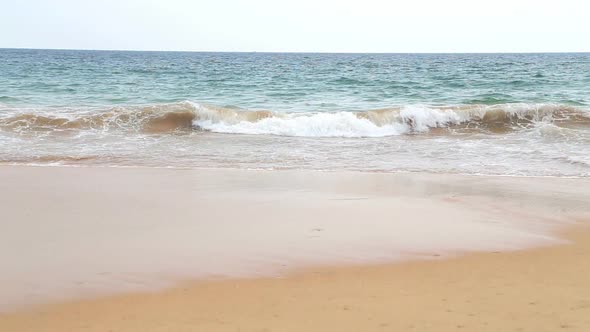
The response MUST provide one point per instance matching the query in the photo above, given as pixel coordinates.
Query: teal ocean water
(504, 114)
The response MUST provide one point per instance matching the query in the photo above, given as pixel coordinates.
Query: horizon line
(283, 52)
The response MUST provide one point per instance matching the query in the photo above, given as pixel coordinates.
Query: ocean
(484, 114)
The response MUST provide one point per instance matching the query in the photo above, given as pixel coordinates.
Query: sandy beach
(136, 249)
(536, 290)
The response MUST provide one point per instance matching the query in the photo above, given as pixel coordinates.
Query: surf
(399, 120)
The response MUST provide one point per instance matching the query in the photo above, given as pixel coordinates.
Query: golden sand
(537, 290)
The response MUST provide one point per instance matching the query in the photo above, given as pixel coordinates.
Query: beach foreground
(537, 290)
(171, 250)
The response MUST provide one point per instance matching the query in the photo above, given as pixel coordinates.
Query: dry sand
(72, 236)
(537, 290)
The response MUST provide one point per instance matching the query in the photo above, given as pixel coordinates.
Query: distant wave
(188, 116)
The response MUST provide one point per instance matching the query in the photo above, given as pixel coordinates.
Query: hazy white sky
(298, 25)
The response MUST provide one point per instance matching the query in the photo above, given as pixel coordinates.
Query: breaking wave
(188, 116)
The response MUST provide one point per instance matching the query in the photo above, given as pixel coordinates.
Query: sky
(298, 25)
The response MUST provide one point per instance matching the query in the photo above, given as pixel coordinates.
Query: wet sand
(164, 249)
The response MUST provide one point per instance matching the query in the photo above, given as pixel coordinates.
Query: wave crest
(397, 121)
(151, 119)
(187, 116)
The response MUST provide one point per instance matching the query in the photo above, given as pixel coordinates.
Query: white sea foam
(422, 118)
(379, 123)
(341, 124)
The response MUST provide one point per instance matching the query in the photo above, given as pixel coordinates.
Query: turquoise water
(290, 82)
(512, 114)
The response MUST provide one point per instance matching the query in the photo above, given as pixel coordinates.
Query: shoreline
(143, 229)
(197, 168)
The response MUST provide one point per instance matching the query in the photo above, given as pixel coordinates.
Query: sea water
(492, 114)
